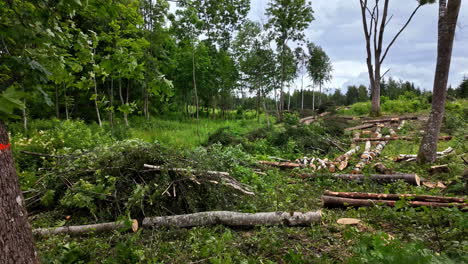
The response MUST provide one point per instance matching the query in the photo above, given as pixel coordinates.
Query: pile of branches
(112, 180)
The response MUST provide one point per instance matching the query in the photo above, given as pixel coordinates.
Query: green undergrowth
(99, 176)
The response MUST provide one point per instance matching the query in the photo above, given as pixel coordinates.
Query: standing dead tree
(374, 21)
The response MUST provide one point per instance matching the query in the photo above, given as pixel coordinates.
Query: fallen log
(342, 160)
(359, 127)
(410, 157)
(385, 196)
(381, 168)
(225, 178)
(333, 201)
(439, 169)
(81, 229)
(234, 219)
(402, 124)
(283, 165)
(442, 138)
(393, 119)
(410, 178)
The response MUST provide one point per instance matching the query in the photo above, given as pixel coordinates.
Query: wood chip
(348, 221)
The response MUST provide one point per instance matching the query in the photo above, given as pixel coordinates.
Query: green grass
(188, 133)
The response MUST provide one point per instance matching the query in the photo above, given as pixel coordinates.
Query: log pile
(357, 199)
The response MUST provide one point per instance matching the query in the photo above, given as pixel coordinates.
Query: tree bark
(448, 16)
(410, 178)
(443, 138)
(333, 201)
(384, 196)
(82, 229)
(16, 241)
(234, 219)
(360, 127)
(391, 119)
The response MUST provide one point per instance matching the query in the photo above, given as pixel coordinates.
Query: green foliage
(381, 248)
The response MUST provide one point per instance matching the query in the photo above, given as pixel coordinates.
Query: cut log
(393, 134)
(77, 230)
(385, 196)
(410, 178)
(443, 138)
(224, 177)
(283, 165)
(439, 169)
(380, 168)
(402, 124)
(307, 120)
(360, 127)
(333, 201)
(234, 219)
(348, 221)
(411, 157)
(393, 119)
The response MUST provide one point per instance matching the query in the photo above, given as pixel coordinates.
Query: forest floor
(400, 234)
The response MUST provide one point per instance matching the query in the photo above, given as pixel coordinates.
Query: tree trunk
(96, 102)
(410, 178)
(333, 201)
(384, 196)
(234, 219)
(122, 101)
(111, 113)
(265, 109)
(442, 138)
(448, 16)
(195, 86)
(16, 241)
(57, 106)
(82, 229)
(65, 98)
(302, 92)
(313, 99)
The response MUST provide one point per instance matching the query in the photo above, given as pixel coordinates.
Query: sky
(337, 28)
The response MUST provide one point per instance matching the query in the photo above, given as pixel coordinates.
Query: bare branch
(388, 21)
(398, 34)
(385, 73)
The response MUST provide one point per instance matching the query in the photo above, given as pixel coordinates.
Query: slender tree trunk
(25, 117)
(111, 113)
(289, 98)
(448, 16)
(122, 101)
(195, 87)
(313, 99)
(16, 241)
(66, 101)
(96, 105)
(265, 109)
(57, 106)
(320, 95)
(302, 92)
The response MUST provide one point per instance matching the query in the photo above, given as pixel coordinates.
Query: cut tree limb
(224, 177)
(333, 201)
(234, 219)
(385, 196)
(393, 119)
(360, 127)
(412, 157)
(443, 138)
(410, 178)
(76, 230)
(439, 169)
(283, 165)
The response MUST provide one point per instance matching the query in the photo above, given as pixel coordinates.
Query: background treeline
(102, 60)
